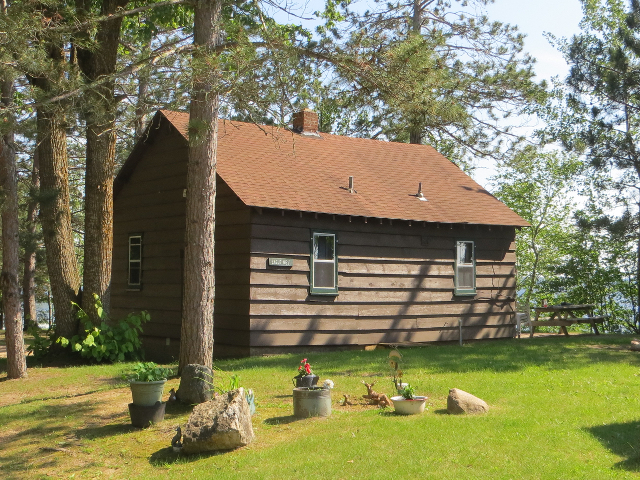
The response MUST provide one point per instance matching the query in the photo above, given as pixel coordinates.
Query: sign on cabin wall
(280, 262)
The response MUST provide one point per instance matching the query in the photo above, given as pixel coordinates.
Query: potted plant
(312, 401)
(305, 376)
(147, 385)
(408, 403)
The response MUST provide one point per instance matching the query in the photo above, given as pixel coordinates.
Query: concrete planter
(311, 402)
(409, 407)
(146, 394)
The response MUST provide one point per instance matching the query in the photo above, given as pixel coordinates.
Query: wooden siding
(395, 283)
(151, 203)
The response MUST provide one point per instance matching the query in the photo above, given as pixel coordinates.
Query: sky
(534, 18)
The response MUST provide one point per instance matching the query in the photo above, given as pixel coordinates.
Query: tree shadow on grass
(55, 423)
(166, 456)
(102, 431)
(281, 420)
(621, 439)
(177, 408)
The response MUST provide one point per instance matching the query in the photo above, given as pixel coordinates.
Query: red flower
(304, 360)
(307, 368)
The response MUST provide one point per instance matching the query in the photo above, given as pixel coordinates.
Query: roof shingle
(272, 167)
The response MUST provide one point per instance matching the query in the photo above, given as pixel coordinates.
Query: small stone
(635, 345)
(460, 401)
(196, 384)
(223, 423)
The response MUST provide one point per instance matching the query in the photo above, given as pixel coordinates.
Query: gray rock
(224, 423)
(635, 345)
(196, 384)
(460, 401)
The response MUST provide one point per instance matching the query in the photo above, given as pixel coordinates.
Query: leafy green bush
(408, 392)
(40, 345)
(110, 343)
(148, 372)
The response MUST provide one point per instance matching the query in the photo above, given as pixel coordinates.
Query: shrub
(111, 343)
(40, 346)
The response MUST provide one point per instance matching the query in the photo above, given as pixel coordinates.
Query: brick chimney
(306, 123)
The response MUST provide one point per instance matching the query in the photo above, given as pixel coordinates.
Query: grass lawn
(560, 408)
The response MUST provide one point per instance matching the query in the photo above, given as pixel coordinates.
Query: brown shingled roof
(276, 168)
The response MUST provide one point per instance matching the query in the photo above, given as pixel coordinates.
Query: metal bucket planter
(144, 416)
(146, 394)
(403, 406)
(306, 381)
(311, 402)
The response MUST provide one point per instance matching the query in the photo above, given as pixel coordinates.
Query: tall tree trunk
(100, 113)
(637, 312)
(55, 217)
(196, 343)
(29, 274)
(141, 104)
(16, 362)
(415, 126)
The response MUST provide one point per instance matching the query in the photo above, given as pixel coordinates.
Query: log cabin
(322, 242)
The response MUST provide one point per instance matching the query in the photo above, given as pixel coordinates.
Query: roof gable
(272, 167)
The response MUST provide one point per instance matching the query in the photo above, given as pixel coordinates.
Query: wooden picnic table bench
(564, 315)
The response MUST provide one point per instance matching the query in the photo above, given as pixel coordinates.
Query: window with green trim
(135, 261)
(465, 268)
(324, 264)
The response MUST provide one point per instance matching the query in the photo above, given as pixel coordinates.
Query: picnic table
(564, 315)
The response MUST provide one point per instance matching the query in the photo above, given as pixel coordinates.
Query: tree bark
(16, 362)
(416, 128)
(55, 217)
(100, 113)
(141, 103)
(196, 344)
(29, 273)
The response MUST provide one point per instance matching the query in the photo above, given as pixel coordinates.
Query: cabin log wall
(395, 283)
(152, 203)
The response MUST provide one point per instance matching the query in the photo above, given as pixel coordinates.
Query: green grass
(560, 408)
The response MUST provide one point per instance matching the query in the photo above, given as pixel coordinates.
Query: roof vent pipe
(351, 189)
(420, 195)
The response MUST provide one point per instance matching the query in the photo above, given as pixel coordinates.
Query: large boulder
(460, 401)
(223, 423)
(196, 384)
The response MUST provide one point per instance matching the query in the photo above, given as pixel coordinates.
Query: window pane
(134, 274)
(465, 276)
(134, 252)
(323, 248)
(465, 253)
(324, 274)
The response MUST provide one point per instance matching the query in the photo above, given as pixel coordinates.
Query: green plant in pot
(408, 403)
(305, 376)
(147, 383)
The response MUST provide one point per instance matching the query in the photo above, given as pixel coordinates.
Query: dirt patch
(619, 348)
